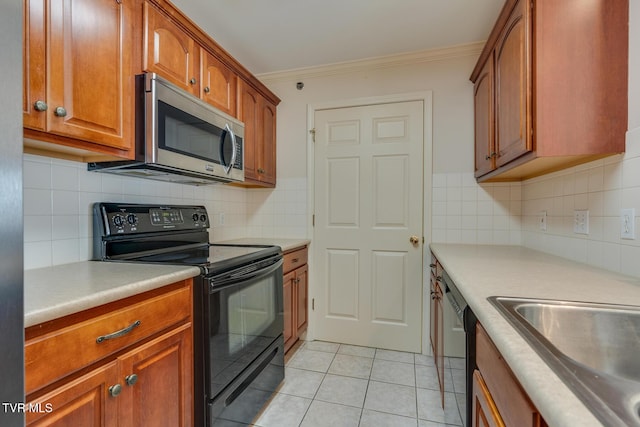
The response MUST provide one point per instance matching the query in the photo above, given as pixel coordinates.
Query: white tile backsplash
(603, 187)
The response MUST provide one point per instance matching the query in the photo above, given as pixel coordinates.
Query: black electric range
(238, 302)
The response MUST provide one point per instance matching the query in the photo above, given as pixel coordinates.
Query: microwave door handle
(234, 149)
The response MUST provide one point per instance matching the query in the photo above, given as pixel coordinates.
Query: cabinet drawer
(73, 346)
(295, 259)
(511, 400)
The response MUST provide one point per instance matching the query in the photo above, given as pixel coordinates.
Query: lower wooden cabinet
(144, 377)
(296, 289)
(498, 398)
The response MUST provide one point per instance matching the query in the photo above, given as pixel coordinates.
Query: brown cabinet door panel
(90, 82)
(84, 402)
(267, 146)
(512, 88)
(218, 84)
(289, 310)
(301, 299)
(169, 51)
(483, 110)
(34, 63)
(161, 395)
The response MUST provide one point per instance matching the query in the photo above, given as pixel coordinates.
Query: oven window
(244, 320)
(186, 134)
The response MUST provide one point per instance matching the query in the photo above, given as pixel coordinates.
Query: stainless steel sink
(594, 348)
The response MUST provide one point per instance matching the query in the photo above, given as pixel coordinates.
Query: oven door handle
(216, 285)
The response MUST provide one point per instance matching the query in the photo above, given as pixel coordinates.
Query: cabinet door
(248, 112)
(169, 51)
(440, 341)
(484, 126)
(259, 117)
(161, 393)
(218, 84)
(485, 412)
(289, 310)
(86, 402)
(267, 143)
(90, 76)
(34, 65)
(302, 288)
(512, 83)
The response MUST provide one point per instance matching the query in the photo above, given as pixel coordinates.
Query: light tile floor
(328, 384)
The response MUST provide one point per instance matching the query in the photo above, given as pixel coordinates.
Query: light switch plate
(581, 221)
(542, 220)
(628, 224)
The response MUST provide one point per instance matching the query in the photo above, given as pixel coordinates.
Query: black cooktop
(173, 234)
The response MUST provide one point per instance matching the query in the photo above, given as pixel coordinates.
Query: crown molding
(410, 58)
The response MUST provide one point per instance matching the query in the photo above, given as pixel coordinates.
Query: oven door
(243, 318)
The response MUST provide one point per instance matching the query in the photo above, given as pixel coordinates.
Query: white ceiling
(276, 35)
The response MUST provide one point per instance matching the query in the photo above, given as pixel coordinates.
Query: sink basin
(594, 348)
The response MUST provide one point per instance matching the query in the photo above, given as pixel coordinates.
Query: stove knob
(132, 219)
(203, 218)
(195, 217)
(118, 220)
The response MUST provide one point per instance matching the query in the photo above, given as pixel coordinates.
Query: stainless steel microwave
(180, 138)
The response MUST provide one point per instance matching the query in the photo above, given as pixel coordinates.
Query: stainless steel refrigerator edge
(11, 232)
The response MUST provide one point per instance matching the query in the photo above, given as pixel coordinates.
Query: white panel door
(368, 204)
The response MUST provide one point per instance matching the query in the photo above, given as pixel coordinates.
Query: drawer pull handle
(295, 260)
(119, 333)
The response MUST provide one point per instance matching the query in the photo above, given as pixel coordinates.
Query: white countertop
(285, 244)
(481, 271)
(53, 292)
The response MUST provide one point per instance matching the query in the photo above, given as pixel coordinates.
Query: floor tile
(391, 398)
(427, 377)
(322, 414)
(343, 390)
(424, 359)
(355, 350)
(429, 407)
(301, 382)
(351, 366)
(393, 372)
(457, 363)
(395, 356)
(328, 347)
(311, 360)
(284, 411)
(378, 419)
(459, 380)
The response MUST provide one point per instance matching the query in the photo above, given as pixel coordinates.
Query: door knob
(414, 240)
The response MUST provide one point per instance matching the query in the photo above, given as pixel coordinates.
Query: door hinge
(313, 303)
(313, 220)
(313, 134)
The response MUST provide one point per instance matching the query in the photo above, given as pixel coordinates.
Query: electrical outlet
(581, 221)
(542, 220)
(628, 224)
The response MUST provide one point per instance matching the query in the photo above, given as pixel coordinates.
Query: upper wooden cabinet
(259, 117)
(170, 51)
(550, 87)
(78, 79)
(218, 84)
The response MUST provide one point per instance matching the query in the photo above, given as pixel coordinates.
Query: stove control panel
(122, 219)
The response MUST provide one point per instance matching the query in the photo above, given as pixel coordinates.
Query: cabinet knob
(60, 112)
(432, 265)
(131, 379)
(193, 80)
(260, 170)
(490, 156)
(40, 105)
(115, 390)
(207, 90)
